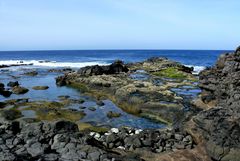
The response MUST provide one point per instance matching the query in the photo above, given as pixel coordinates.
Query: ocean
(199, 59)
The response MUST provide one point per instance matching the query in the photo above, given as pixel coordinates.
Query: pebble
(114, 130)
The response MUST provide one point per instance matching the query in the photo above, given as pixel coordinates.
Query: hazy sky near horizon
(119, 24)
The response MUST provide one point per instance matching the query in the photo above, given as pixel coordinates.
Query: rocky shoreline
(61, 140)
(208, 133)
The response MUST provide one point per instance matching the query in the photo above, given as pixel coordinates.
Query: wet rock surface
(19, 90)
(40, 87)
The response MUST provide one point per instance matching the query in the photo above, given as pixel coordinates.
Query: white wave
(54, 64)
(196, 69)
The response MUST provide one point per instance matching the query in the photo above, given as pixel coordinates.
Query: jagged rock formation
(219, 127)
(116, 67)
(25, 139)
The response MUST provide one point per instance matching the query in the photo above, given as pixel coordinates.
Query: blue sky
(119, 24)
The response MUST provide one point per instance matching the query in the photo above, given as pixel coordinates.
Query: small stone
(115, 130)
(97, 136)
(92, 108)
(92, 133)
(178, 137)
(121, 147)
(82, 107)
(81, 101)
(94, 156)
(138, 131)
(100, 103)
(111, 145)
(112, 114)
(159, 150)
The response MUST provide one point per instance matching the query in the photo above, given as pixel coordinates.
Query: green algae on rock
(139, 97)
(40, 87)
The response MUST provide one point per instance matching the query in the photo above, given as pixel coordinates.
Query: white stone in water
(138, 131)
(114, 130)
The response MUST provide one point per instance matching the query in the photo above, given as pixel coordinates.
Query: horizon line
(35, 50)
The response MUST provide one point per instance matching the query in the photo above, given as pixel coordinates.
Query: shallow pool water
(97, 117)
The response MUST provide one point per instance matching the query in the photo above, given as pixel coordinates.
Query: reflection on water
(97, 117)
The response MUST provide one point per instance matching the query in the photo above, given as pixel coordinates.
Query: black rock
(100, 103)
(13, 84)
(5, 93)
(1, 86)
(61, 81)
(114, 68)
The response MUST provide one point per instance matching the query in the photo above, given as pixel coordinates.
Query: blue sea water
(198, 58)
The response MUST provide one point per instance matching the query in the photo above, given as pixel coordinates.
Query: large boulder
(114, 68)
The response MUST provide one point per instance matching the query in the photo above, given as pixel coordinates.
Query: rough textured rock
(114, 68)
(24, 139)
(219, 127)
(158, 63)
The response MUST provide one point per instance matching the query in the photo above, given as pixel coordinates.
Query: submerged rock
(92, 108)
(32, 73)
(112, 114)
(100, 103)
(19, 90)
(40, 87)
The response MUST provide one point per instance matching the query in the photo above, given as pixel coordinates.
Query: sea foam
(196, 69)
(54, 64)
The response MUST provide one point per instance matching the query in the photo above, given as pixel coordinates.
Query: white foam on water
(54, 64)
(196, 69)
